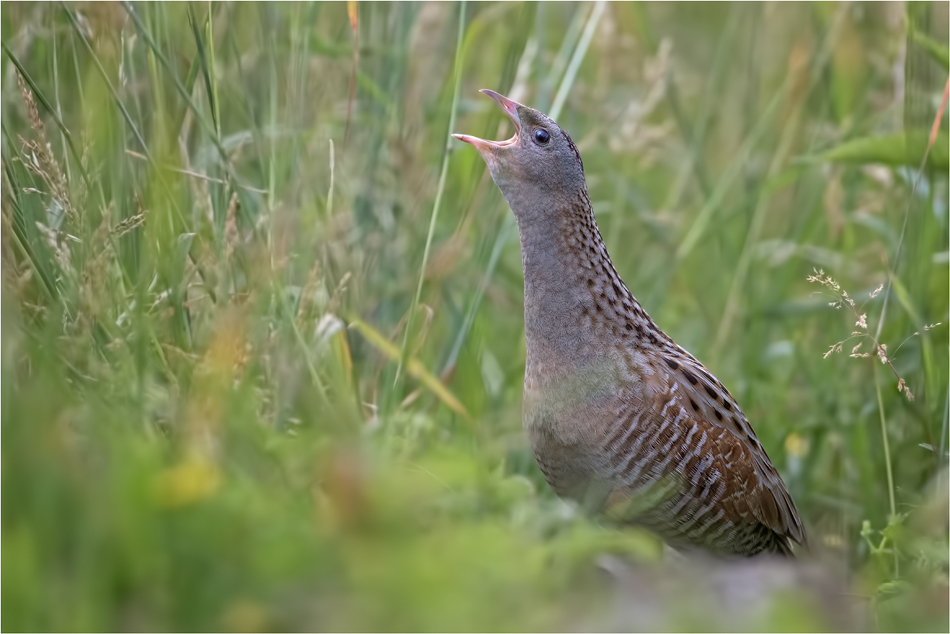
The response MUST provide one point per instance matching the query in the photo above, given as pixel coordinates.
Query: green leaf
(889, 149)
(938, 51)
(894, 586)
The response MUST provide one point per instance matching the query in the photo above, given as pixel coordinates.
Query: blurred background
(262, 322)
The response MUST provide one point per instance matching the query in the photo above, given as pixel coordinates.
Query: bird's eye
(541, 136)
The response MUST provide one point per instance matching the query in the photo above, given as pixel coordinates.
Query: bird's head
(539, 162)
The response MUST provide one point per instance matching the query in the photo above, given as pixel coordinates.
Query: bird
(621, 419)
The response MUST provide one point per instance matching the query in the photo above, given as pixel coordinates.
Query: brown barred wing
(696, 482)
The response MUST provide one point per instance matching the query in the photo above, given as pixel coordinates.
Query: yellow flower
(186, 483)
(796, 446)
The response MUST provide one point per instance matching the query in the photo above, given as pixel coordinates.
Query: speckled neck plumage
(568, 274)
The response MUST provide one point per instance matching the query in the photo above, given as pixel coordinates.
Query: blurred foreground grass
(214, 416)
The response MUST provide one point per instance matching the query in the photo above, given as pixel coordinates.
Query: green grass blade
(179, 86)
(446, 153)
(596, 12)
(77, 29)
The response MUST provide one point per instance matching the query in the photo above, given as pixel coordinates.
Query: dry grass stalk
(232, 238)
(82, 192)
(309, 292)
(41, 160)
(337, 297)
(96, 269)
(133, 221)
(6, 220)
(878, 349)
(56, 242)
(200, 192)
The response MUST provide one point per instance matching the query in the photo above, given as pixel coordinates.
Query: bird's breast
(567, 412)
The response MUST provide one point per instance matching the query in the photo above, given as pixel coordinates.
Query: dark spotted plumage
(621, 418)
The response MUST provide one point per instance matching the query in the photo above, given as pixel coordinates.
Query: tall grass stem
(577, 58)
(446, 153)
(891, 497)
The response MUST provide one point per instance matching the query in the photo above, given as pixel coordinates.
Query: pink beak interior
(511, 109)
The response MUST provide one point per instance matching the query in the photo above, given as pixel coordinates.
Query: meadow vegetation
(262, 335)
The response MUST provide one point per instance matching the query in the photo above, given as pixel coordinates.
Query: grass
(262, 332)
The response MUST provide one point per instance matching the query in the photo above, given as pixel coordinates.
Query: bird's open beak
(511, 109)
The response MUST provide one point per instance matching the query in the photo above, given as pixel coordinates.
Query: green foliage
(890, 150)
(937, 51)
(263, 346)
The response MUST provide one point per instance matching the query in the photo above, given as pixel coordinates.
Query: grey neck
(565, 265)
